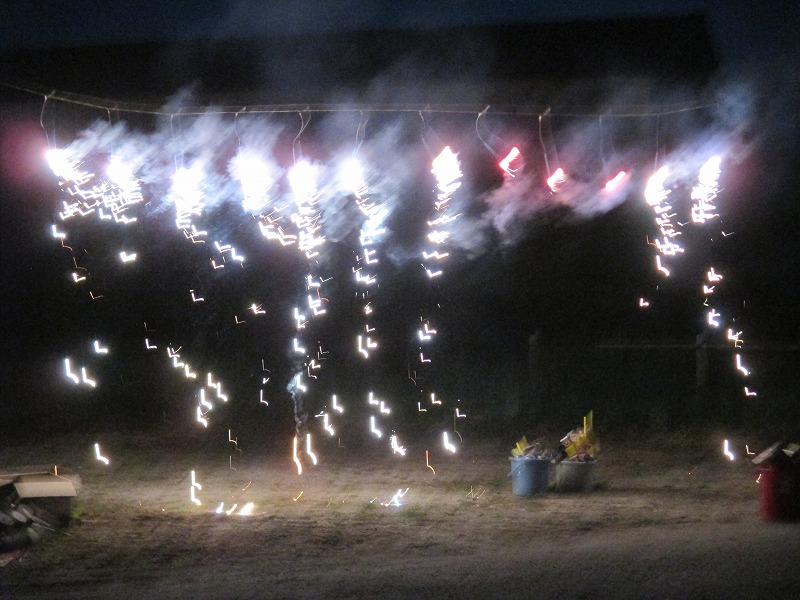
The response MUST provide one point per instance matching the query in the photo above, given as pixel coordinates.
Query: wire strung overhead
(618, 111)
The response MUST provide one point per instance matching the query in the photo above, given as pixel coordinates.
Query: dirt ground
(668, 518)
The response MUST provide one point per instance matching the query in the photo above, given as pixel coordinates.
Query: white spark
(395, 501)
(435, 254)
(447, 171)
(443, 220)
(220, 395)
(431, 274)
(734, 337)
(368, 254)
(60, 162)
(201, 417)
(315, 304)
(99, 456)
(654, 192)
(311, 366)
(372, 427)
(555, 181)
(365, 279)
(740, 367)
(187, 193)
(614, 183)
(706, 189)
(69, 373)
(505, 164)
(667, 248)
(300, 319)
(303, 181)
(351, 176)
(203, 401)
(193, 488)
(361, 347)
(396, 447)
(726, 450)
(247, 509)
(660, 267)
(438, 237)
(309, 451)
(256, 177)
(326, 425)
(85, 378)
(295, 457)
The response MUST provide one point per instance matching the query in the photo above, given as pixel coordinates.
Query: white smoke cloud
(396, 162)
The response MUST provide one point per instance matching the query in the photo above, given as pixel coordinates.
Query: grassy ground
(135, 530)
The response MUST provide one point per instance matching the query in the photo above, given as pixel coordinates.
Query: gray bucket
(529, 475)
(574, 476)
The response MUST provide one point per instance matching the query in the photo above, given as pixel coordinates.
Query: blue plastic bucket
(529, 475)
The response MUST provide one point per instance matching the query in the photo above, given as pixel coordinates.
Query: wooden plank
(34, 482)
(44, 486)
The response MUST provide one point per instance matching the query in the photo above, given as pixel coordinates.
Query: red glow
(556, 179)
(22, 146)
(613, 184)
(505, 164)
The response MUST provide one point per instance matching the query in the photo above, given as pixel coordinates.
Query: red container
(780, 491)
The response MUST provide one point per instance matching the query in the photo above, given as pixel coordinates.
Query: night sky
(568, 266)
